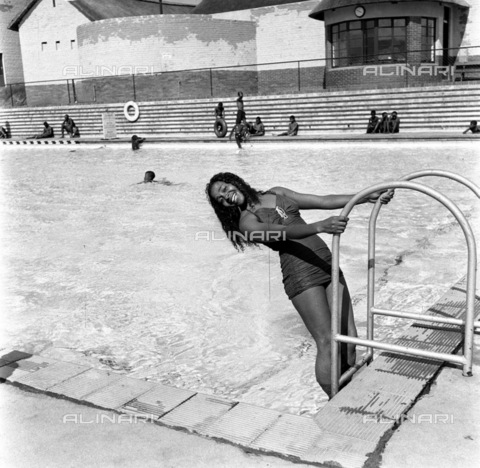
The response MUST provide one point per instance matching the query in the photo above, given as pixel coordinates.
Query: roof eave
(15, 23)
(318, 12)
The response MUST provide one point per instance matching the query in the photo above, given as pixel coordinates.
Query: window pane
(355, 25)
(428, 40)
(370, 24)
(356, 48)
(384, 32)
(343, 26)
(383, 23)
(335, 29)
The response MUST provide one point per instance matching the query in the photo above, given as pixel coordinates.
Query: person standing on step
(272, 217)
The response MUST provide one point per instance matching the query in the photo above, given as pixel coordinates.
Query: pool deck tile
(374, 401)
(243, 424)
(157, 401)
(12, 374)
(345, 421)
(383, 404)
(346, 432)
(54, 374)
(119, 392)
(79, 386)
(16, 370)
(339, 450)
(198, 413)
(10, 355)
(290, 435)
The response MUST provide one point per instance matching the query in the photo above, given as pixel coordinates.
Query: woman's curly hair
(229, 217)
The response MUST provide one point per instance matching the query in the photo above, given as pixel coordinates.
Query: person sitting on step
(382, 126)
(47, 133)
(257, 129)
(69, 126)
(394, 123)
(474, 128)
(292, 128)
(373, 122)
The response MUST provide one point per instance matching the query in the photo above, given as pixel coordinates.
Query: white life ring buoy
(136, 114)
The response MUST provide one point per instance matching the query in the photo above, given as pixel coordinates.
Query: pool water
(100, 270)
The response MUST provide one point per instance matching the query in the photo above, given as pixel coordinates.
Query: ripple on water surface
(103, 271)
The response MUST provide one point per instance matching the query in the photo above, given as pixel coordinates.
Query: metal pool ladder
(468, 323)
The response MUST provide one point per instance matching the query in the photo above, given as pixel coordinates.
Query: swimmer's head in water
(227, 192)
(149, 176)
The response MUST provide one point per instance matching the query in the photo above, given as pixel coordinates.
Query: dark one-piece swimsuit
(305, 263)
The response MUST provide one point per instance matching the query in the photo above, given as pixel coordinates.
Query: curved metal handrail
(471, 272)
(372, 233)
(449, 175)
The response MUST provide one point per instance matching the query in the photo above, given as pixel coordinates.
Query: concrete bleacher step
(430, 108)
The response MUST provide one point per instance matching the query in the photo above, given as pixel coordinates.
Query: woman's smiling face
(227, 194)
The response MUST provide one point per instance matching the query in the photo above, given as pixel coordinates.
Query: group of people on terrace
(386, 124)
(68, 126)
(243, 129)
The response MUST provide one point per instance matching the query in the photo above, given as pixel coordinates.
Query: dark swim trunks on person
(305, 263)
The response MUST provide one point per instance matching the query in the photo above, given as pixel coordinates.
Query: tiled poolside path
(351, 429)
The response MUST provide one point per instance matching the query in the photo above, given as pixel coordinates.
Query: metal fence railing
(302, 76)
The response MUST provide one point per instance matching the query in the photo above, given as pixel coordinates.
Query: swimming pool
(100, 270)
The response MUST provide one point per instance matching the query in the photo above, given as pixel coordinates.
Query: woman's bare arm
(269, 232)
(325, 202)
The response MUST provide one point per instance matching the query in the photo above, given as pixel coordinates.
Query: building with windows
(263, 46)
(48, 30)
(381, 43)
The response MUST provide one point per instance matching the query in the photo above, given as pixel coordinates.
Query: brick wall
(165, 86)
(284, 32)
(173, 42)
(291, 80)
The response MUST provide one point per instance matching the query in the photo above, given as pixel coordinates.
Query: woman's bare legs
(313, 306)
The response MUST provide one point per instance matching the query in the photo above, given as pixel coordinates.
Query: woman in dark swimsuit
(272, 218)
